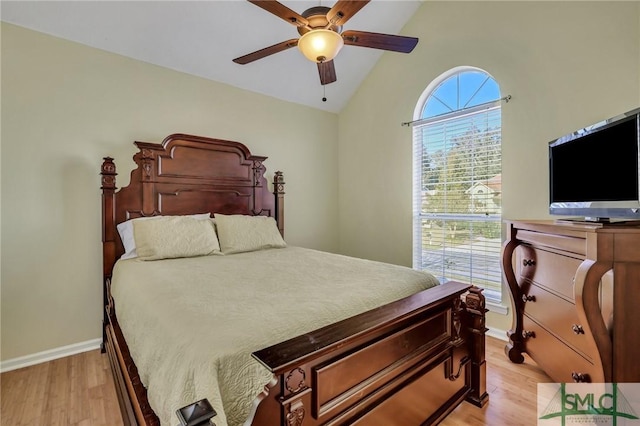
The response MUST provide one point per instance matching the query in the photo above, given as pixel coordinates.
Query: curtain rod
(506, 99)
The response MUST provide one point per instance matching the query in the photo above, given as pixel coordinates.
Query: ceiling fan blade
(343, 10)
(282, 12)
(259, 54)
(390, 42)
(327, 71)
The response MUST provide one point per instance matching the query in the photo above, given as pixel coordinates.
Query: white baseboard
(51, 354)
(498, 334)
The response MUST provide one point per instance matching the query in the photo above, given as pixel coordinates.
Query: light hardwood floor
(512, 392)
(72, 391)
(78, 390)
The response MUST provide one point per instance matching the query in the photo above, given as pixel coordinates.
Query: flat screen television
(594, 172)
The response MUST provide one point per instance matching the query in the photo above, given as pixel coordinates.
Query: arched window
(457, 179)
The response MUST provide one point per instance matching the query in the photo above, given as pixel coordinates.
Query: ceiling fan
(321, 35)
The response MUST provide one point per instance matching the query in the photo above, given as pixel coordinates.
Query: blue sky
(464, 90)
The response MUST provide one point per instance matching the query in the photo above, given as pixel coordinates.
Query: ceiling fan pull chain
(324, 92)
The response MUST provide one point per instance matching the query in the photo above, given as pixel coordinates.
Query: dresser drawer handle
(526, 334)
(528, 298)
(579, 377)
(528, 262)
(577, 328)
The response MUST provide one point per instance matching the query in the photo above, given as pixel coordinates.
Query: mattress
(191, 324)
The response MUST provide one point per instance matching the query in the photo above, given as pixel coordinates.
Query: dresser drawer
(558, 316)
(558, 360)
(547, 269)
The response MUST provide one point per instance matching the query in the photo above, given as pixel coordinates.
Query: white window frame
(494, 296)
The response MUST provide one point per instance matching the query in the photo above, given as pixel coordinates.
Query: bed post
(476, 310)
(278, 193)
(108, 172)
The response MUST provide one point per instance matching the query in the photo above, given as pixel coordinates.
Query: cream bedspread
(191, 324)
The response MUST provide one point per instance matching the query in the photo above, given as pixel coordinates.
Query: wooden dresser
(575, 289)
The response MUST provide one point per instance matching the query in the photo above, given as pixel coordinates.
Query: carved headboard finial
(108, 172)
(278, 183)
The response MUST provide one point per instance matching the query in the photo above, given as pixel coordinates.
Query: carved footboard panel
(407, 363)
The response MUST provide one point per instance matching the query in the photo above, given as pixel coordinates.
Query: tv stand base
(598, 220)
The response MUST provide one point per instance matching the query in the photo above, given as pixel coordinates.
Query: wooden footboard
(407, 363)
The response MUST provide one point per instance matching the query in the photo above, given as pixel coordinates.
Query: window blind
(458, 197)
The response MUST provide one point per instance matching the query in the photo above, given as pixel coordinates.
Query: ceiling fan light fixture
(320, 45)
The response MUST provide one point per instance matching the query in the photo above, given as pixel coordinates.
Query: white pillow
(170, 237)
(125, 229)
(240, 233)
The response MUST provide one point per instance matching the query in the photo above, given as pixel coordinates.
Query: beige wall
(566, 65)
(64, 107)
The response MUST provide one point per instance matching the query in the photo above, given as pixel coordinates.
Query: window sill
(497, 307)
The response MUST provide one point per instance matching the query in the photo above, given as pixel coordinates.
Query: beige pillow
(240, 233)
(175, 236)
(125, 229)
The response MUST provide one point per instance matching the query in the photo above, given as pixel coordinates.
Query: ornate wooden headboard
(187, 174)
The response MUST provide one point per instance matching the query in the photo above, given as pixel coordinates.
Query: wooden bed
(430, 345)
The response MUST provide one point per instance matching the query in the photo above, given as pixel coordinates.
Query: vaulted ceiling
(202, 37)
